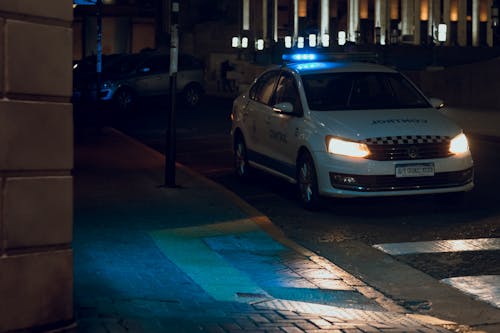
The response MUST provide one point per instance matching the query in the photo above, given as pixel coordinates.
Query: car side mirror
(436, 103)
(285, 108)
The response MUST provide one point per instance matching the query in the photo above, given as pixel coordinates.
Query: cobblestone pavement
(155, 259)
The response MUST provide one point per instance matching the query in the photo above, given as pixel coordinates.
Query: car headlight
(346, 148)
(459, 144)
(106, 85)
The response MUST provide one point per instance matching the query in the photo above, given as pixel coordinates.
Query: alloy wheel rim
(305, 182)
(240, 159)
(192, 97)
(124, 100)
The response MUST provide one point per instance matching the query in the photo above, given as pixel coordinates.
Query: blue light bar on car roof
(332, 56)
(299, 57)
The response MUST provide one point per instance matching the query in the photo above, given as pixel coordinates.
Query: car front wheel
(124, 100)
(307, 181)
(240, 158)
(192, 96)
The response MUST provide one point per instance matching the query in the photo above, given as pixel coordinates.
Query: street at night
(353, 233)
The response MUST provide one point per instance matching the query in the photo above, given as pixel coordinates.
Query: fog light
(342, 179)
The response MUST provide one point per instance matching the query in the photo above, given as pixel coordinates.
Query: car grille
(365, 183)
(401, 148)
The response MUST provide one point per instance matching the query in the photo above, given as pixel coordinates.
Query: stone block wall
(36, 158)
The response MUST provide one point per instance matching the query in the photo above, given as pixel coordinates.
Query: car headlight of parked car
(346, 148)
(459, 144)
(106, 85)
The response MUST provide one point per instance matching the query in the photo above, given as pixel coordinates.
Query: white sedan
(348, 129)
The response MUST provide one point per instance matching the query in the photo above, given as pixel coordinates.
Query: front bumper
(354, 177)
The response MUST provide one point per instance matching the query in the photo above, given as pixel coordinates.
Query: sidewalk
(198, 259)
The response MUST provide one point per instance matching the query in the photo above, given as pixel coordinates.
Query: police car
(348, 129)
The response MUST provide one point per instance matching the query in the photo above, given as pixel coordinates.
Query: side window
(156, 64)
(262, 90)
(286, 91)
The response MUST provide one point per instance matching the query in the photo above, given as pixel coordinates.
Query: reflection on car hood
(363, 124)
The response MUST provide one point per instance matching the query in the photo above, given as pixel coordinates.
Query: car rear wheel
(192, 96)
(241, 166)
(124, 100)
(307, 181)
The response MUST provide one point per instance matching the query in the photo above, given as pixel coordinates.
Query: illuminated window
(300, 42)
(483, 11)
(342, 37)
(453, 10)
(363, 9)
(302, 8)
(312, 40)
(394, 10)
(424, 10)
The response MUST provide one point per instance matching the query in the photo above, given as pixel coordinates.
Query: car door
(152, 76)
(255, 116)
(284, 128)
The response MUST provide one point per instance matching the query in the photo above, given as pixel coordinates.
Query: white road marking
(440, 246)
(485, 288)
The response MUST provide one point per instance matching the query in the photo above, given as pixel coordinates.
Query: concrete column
(275, 20)
(446, 20)
(407, 17)
(295, 20)
(264, 21)
(489, 30)
(462, 22)
(353, 19)
(475, 22)
(382, 19)
(416, 22)
(325, 18)
(36, 158)
(245, 15)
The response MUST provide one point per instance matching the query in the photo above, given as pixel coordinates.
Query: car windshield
(361, 90)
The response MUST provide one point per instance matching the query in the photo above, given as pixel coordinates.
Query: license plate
(415, 170)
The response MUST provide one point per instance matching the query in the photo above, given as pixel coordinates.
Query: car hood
(363, 124)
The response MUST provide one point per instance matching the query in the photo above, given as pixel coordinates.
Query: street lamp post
(494, 21)
(170, 149)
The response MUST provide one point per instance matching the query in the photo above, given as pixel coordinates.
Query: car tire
(307, 182)
(191, 95)
(124, 100)
(241, 166)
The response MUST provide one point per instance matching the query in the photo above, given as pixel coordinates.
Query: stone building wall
(36, 158)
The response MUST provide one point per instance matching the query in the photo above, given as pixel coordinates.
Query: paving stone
(292, 330)
(321, 323)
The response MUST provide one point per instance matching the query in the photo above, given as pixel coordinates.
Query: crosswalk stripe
(440, 246)
(485, 288)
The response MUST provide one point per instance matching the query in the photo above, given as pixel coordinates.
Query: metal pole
(99, 53)
(170, 149)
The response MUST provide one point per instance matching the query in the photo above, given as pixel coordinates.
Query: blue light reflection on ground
(228, 264)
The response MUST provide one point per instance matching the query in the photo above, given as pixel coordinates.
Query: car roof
(319, 67)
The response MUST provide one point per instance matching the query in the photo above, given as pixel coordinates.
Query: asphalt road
(341, 228)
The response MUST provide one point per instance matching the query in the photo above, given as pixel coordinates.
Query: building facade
(36, 159)
(384, 22)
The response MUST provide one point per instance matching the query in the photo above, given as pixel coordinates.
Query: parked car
(146, 74)
(84, 75)
(348, 129)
